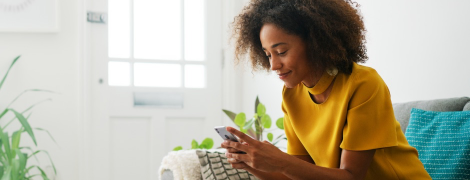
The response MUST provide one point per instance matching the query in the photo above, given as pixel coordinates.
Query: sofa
(402, 114)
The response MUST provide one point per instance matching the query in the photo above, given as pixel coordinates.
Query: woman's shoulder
(364, 75)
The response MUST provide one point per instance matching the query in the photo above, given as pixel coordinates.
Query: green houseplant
(259, 124)
(205, 144)
(15, 159)
(255, 127)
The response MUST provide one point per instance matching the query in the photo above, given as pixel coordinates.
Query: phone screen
(222, 131)
(225, 134)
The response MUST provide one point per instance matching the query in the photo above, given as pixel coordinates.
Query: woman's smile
(284, 75)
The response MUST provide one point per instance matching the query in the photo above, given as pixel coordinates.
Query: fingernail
(225, 142)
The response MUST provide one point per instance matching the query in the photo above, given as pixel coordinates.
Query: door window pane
(194, 76)
(119, 29)
(194, 44)
(157, 29)
(157, 75)
(119, 73)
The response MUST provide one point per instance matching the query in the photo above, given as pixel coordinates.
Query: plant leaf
(208, 143)
(30, 177)
(3, 113)
(266, 121)
(256, 104)
(15, 141)
(261, 109)
(25, 124)
(29, 90)
(50, 135)
(50, 160)
(258, 129)
(15, 168)
(280, 136)
(194, 144)
(29, 108)
(6, 174)
(8, 71)
(202, 146)
(33, 154)
(43, 174)
(280, 123)
(230, 114)
(3, 157)
(270, 137)
(240, 119)
(278, 139)
(177, 148)
(6, 145)
(22, 158)
(252, 133)
(249, 124)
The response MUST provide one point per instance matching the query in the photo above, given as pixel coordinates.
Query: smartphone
(222, 131)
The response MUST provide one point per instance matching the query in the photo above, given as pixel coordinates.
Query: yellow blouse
(358, 115)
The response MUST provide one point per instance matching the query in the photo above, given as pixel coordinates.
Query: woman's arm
(267, 175)
(353, 166)
(264, 157)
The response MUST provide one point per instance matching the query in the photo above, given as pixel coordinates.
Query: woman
(339, 119)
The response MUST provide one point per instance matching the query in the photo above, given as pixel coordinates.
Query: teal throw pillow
(443, 142)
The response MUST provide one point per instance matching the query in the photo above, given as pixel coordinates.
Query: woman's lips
(284, 75)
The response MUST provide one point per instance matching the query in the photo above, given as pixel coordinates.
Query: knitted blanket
(201, 164)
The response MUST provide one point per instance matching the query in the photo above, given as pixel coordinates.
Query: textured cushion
(443, 142)
(402, 110)
(214, 165)
(467, 107)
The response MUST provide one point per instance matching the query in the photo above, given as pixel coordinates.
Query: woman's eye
(269, 56)
(282, 53)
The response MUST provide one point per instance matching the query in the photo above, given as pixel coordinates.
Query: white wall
(420, 48)
(49, 61)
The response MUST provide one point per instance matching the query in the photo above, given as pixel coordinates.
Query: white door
(155, 82)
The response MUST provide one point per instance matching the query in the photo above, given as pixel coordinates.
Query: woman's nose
(275, 63)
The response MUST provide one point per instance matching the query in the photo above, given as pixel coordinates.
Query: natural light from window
(119, 35)
(157, 75)
(157, 29)
(157, 43)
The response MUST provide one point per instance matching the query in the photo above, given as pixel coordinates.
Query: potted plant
(14, 158)
(259, 124)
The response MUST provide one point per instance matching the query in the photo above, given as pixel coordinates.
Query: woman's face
(287, 56)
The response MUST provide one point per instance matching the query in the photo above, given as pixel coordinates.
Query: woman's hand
(259, 155)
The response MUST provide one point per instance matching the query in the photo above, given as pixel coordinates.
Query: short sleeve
(370, 122)
(294, 146)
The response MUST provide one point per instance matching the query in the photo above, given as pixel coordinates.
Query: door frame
(231, 80)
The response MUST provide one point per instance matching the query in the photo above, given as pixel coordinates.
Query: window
(158, 43)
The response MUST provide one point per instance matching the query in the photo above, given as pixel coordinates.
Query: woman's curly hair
(332, 29)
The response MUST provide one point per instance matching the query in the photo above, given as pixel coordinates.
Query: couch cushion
(443, 142)
(467, 107)
(402, 110)
(214, 165)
